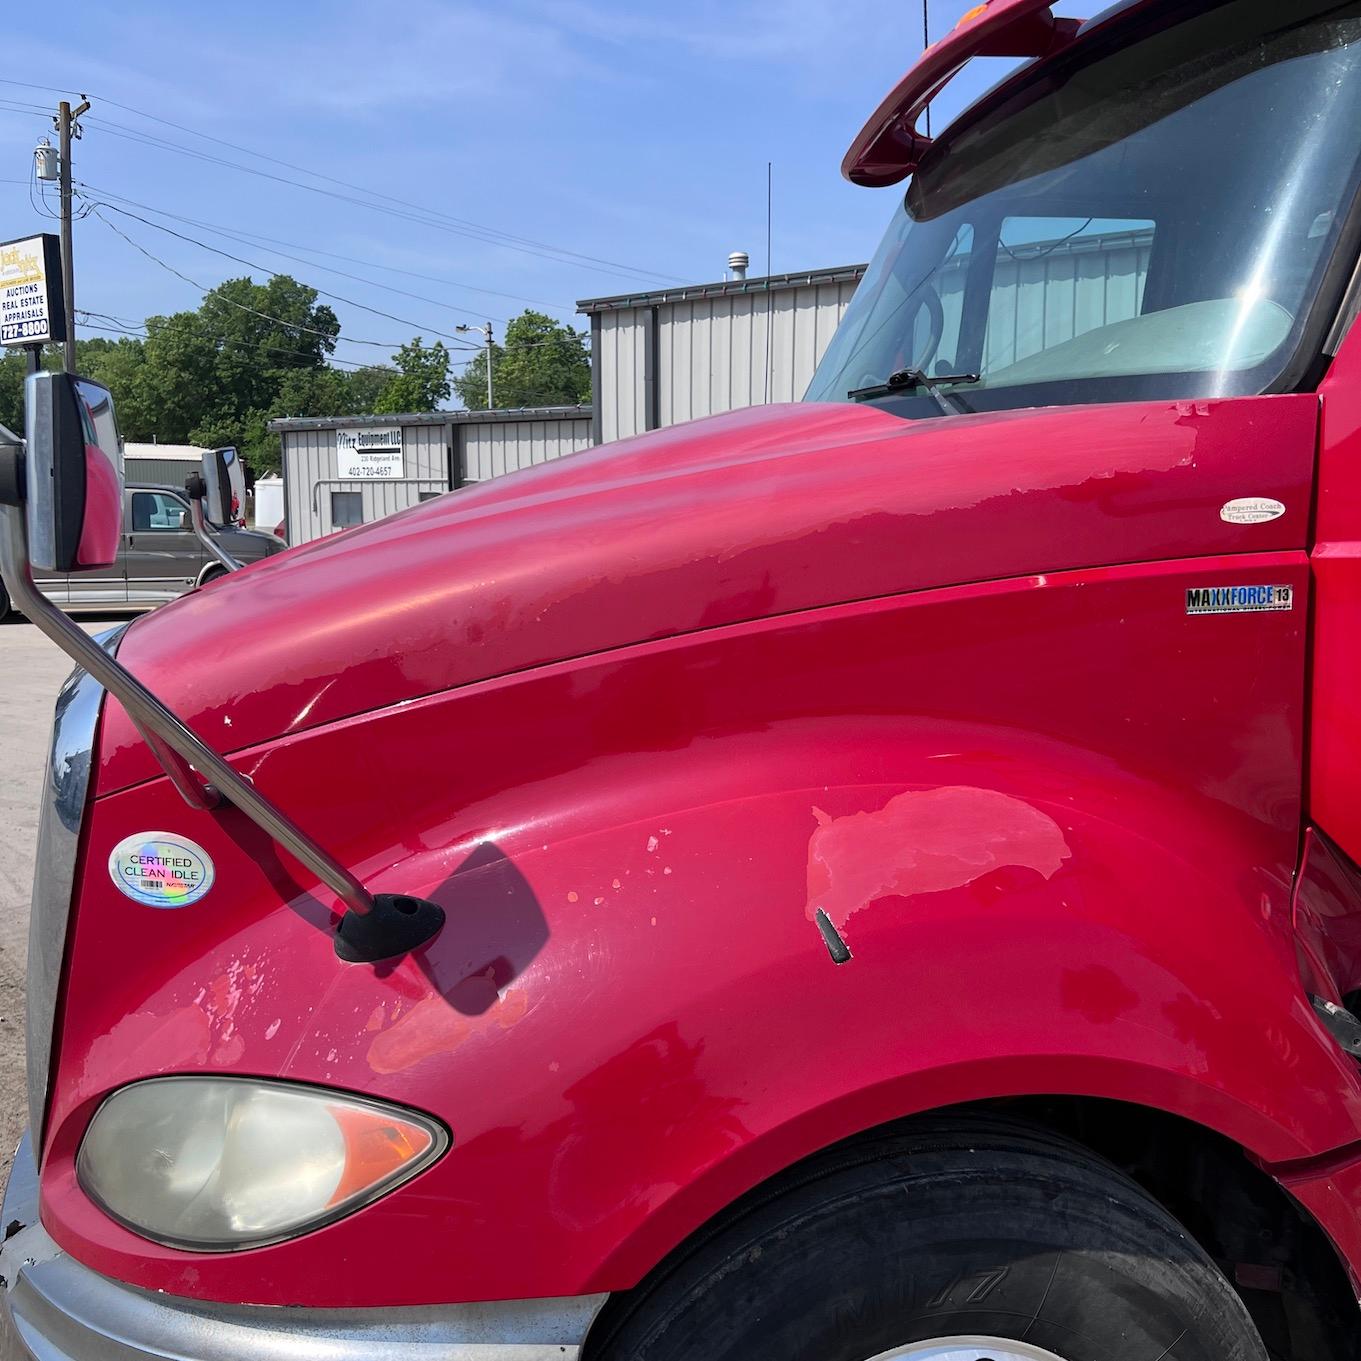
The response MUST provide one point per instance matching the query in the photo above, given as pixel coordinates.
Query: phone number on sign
(23, 330)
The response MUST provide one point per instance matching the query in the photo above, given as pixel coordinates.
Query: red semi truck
(868, 878)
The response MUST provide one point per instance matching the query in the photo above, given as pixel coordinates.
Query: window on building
(430, 495)
(347, 508)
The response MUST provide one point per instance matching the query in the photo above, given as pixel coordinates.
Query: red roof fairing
(889, 147)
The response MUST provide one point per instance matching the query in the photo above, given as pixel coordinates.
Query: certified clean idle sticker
(161, 869)
(1251, 510)
(1238, 599)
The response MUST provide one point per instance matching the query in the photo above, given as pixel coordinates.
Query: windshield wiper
(906, 379)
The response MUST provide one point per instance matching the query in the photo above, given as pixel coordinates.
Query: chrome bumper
(62, 1311)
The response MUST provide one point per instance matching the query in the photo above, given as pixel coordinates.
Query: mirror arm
(194, 790)
(153, 718)
(196, 489)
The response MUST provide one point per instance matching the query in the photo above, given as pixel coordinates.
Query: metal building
(165, 464)
(670, 355)
(340, 471)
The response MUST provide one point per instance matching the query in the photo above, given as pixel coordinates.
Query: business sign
(31, 310)
(371, 453)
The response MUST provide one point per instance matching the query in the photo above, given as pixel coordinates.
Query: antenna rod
(770, 297)
(926, 42)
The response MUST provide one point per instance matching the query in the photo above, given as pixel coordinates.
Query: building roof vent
(737, 264)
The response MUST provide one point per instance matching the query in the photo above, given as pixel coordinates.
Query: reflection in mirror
(73, 473)
(225, 478)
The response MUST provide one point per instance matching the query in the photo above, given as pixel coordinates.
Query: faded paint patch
(925, 841)
(180, 1038)
(433, 1027)
(221, 999)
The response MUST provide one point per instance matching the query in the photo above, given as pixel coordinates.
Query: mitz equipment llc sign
(370, 453)
(31, 307)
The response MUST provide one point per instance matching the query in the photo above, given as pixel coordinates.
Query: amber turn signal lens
(377, 1146)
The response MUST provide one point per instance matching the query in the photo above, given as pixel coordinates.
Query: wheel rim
(967, 1349)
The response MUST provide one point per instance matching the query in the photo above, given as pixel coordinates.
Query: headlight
(217, 1163)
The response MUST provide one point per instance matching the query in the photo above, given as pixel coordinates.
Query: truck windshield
(1150, 216)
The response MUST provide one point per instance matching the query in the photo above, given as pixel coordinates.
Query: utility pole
(67, 127)
(486, 333)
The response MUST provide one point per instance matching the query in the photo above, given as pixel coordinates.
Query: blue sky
(634, 133)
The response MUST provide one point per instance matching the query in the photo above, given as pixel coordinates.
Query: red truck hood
(743, 516)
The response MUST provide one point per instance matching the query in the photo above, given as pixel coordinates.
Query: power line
(382, 195)
(390, 207)
(430, 217)
(256, 238)
(138, 331)
(358, 278)
(556, 340)
(288, 325)
(52, 89)
(39, 204)
(290, 165)
(272, 274)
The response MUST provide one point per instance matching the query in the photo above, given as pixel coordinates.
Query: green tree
(119, 365)
(421, 382)
(13, 371)
(13, 367)
(541, 363)
(215, 375)
(365, 386)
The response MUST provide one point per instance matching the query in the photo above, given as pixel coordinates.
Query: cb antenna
(926, 42)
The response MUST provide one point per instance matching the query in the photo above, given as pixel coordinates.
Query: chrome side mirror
(224, 477)
(209, 493)
(73, 473)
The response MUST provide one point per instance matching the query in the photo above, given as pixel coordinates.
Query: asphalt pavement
(31, 671)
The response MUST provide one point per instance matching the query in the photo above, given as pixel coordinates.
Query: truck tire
(4, 603)
(959, 1240)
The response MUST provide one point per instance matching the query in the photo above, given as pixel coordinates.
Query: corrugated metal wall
(490, 444)
(712, 355)
(312, 474)
(505, 446)
(618, 353)
(161, 472)
(712, 352)
(1049, 292)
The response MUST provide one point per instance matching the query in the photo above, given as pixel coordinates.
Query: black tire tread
(968, 1154)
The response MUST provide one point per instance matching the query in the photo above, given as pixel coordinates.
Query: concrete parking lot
(31, 671)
